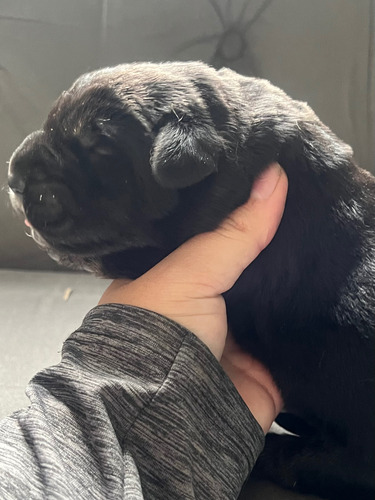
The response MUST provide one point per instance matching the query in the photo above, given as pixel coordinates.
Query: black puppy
(133, 160)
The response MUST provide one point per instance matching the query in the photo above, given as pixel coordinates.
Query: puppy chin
(76, 262)
(38, 238)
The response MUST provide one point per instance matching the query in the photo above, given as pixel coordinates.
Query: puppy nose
(16, 183)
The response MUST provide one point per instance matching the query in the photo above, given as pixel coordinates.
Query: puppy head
(109, 167)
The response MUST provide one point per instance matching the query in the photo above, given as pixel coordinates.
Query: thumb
(216, 259)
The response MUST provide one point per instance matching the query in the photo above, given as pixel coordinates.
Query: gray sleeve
(137, 408)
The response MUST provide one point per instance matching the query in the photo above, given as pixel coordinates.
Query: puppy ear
(184, 153)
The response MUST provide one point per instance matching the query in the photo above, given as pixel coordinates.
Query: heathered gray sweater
(137, 408)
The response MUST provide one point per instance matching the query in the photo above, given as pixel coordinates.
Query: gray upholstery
(38, 311)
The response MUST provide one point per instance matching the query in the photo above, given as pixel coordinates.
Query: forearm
(134, 393)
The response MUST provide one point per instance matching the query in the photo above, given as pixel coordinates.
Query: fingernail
(266, 183)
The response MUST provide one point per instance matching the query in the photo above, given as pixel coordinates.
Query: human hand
(187, 286)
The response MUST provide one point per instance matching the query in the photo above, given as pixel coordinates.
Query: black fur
(133, 160)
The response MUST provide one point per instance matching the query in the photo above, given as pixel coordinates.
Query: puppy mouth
(16, 202)
(17, 205)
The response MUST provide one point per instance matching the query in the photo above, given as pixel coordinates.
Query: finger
(217, 259)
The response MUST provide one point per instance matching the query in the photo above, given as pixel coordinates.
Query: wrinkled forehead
(142, 89)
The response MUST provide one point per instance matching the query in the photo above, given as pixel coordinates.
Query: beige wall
(319, 51)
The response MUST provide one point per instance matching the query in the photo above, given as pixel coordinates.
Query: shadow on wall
(320, 52)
